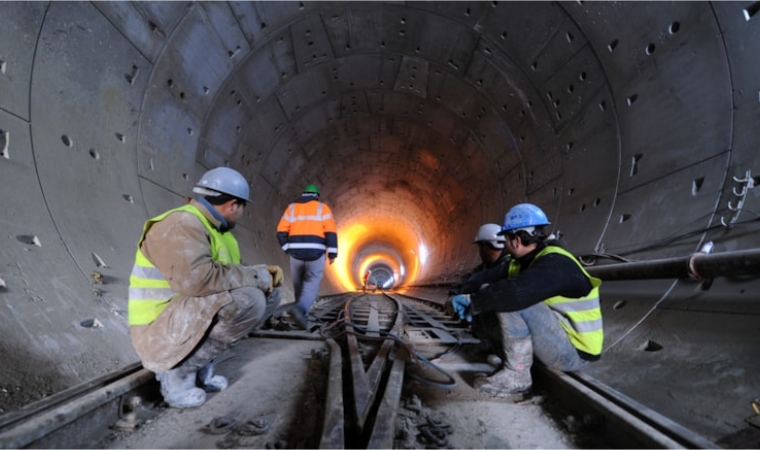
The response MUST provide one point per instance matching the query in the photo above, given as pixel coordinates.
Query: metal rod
(333, 429)
(696, 265)
(383, 431)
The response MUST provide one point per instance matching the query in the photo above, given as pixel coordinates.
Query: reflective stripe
(577, 305)
(590, 326)
(149, 291)
(291, 216)
(146, 272)
(306, 229)
(313, 245)
(581, 317)
(587, 327)
(300, 218)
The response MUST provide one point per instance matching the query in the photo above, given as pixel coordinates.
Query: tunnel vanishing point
(634, 125)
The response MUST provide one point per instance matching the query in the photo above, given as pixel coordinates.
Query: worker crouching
(547, 306)
(190, 298)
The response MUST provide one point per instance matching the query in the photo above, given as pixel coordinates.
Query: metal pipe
(698, 266)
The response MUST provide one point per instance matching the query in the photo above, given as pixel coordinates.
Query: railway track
(377, 343)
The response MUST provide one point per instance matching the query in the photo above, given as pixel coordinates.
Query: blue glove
(461, 305)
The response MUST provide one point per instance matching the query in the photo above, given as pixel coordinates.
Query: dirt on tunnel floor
(276, 399)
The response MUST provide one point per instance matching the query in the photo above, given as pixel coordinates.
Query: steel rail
(41, 419)
(625, 422)
(684, 437)
(58, 398)
(366, 382)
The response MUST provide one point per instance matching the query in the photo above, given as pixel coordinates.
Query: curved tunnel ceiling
(632, 124)
(405, 139)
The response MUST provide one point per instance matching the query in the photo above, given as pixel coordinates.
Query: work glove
(461, 305)
(258, 276)
(276, 273)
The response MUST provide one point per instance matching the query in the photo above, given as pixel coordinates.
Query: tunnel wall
(626, 121)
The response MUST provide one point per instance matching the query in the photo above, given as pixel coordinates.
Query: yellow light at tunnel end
(371, 239)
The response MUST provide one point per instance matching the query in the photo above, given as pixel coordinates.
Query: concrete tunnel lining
(631, 124)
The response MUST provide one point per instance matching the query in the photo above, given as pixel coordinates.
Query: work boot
(210, 382)
(513, 381)
(299, 317)
(178, 388)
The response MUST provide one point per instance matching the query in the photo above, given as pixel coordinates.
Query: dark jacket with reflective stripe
(544, 276)
(307, 229)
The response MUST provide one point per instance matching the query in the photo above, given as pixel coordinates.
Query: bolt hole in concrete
(91, 323)
(651, 346)
(29, 239)
(67, 140)
(4, 142)
(99, 261)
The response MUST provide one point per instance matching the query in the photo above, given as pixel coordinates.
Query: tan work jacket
(179, 247)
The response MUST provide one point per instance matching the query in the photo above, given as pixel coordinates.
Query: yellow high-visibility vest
(149, 292)
(581, 317)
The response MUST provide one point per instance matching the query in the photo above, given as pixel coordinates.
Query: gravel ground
(277, 392)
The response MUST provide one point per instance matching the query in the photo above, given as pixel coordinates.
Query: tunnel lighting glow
(377, 241)
(379, 259)
(423, 253)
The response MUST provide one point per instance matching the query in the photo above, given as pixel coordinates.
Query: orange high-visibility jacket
(307, 229)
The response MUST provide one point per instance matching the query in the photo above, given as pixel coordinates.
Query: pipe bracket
(747, 183)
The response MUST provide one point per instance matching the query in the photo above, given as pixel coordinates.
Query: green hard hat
(311, 188)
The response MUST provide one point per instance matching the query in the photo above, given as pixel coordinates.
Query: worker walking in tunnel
(547, 306)
(190, 298)
(307, 232)
(365, 280)
(494, 265)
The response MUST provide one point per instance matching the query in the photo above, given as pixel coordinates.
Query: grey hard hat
(223, 180)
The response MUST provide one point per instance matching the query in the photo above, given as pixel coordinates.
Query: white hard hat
(223, 180)
(489, 233)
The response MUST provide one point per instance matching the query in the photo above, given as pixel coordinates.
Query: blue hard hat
(524, 215)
